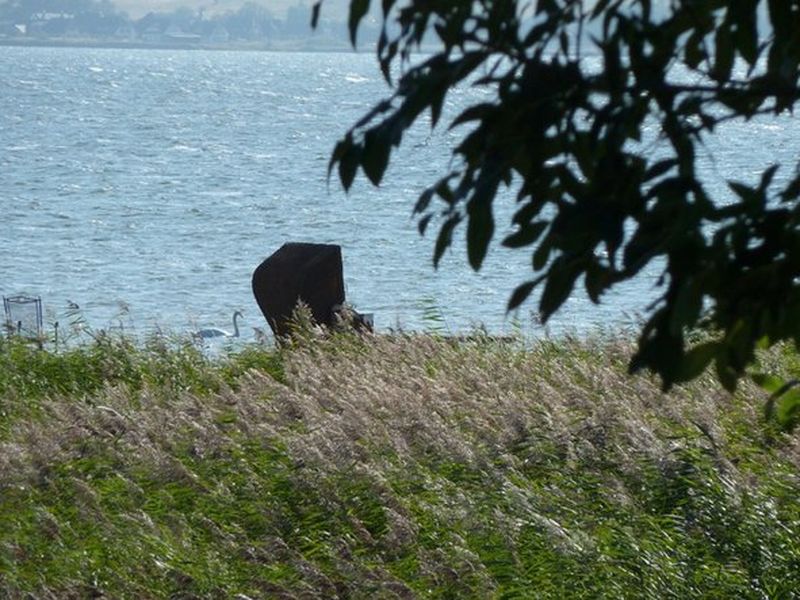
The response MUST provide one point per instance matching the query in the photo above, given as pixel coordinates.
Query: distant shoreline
(297, 45)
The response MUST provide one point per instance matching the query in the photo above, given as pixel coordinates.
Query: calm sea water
(146, 185)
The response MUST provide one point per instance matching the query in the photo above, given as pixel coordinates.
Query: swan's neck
(235, 325)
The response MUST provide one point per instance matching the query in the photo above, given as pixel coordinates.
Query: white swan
(214, 332)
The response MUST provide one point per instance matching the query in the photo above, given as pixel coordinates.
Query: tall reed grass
(404, 466)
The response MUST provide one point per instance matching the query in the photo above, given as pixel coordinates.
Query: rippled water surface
(159, 179)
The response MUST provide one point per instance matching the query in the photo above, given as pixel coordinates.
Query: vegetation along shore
(388, 466)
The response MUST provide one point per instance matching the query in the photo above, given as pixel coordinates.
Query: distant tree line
(59, 17)
(101, 18)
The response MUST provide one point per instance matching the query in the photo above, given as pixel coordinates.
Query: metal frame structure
(23, 316)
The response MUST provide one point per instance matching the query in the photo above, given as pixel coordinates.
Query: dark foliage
(591, 207)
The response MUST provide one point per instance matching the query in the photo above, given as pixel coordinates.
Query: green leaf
(723, 63)
(548, 6)
(358, 9)
(746, 36)
(339, 151)
(375, 157)
(769, 383)
(564, 43)
(424, 200)
(726, 374)
(445, 237)
(658, 349)
(315, 14)
(387, 6)
(788, 409)
(687, 306)
(348, 164)
(660, 168)
(792, 191)
(542, 254)
(558, 286)
(766, 178)
(695, 361)
(598, 280)
(601, 6)
(477, 112)
(695, 54)
(520, 295)
(746, 193)
(784, 401)
(480, 229)
(436, 102)
(526, 235)
(422, 226)
(644, 244)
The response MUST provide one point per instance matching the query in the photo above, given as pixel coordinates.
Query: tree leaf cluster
(564, 137)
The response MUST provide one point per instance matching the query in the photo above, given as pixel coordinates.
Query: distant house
(11, 29)
(125, 32)
(51, 16)
(152, 34)
(220, 35)
(50, 23)
(174, 33)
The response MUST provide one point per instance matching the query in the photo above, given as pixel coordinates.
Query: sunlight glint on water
(160, 179)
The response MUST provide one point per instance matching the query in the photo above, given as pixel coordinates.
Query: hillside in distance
(332, 9)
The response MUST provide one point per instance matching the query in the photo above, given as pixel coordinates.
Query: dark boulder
(297, 271)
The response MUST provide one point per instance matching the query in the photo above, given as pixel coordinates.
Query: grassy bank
(387, 467)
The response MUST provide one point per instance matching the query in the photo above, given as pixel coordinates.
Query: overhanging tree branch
(564, 131)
